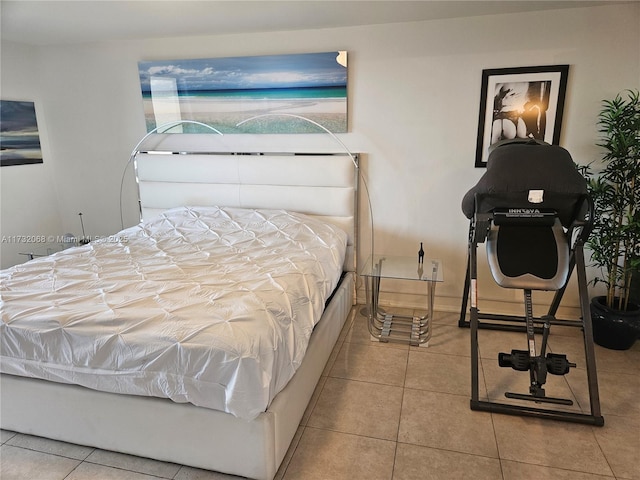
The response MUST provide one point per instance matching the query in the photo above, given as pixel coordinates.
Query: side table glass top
(403, 268)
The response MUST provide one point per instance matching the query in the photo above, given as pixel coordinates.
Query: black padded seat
(527, 250)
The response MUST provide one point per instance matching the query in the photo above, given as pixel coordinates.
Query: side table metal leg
(372, 289)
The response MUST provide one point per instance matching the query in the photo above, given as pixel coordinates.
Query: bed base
(179, 433)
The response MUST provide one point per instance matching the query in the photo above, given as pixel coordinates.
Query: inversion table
(532, 209)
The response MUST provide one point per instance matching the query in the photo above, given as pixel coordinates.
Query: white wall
(414, 91)
(28, 200)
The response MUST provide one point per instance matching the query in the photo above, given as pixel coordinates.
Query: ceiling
(58, 22)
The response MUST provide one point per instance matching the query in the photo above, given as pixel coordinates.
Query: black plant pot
(614, 329)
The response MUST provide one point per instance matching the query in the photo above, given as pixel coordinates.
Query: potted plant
(615, 240)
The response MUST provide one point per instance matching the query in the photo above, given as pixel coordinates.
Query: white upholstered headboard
(323, 185)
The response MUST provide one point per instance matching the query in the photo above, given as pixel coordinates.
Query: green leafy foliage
(615, 189)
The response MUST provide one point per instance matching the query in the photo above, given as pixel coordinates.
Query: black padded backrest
(527, 255)
(514, 169)
(522, 249)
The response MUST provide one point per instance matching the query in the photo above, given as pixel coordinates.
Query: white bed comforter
(212, 306)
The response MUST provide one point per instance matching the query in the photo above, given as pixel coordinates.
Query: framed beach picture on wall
(521, 102)
(223, 92)
(19, 137)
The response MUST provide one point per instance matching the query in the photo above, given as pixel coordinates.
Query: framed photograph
(521, 102)
(223, 92)
(19, 137)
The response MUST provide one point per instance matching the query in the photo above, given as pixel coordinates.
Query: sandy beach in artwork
(226, 113)
(255, 107)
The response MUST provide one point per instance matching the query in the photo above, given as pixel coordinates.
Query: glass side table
(386, 327)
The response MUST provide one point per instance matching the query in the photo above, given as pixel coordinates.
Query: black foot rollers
(556, 363)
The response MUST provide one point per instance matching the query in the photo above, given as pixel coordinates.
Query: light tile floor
(389, 411)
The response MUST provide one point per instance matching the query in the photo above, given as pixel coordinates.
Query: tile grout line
(397, 441)
(604, 455)
(493, 424)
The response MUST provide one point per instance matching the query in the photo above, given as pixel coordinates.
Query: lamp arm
(334, 137)
(162, 129)
(322, 127)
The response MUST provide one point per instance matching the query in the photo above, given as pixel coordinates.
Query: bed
(192, 193)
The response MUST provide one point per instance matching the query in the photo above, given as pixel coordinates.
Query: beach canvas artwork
(223, 92)
(19, 138)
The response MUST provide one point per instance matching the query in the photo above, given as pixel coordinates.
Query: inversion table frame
(578, 233)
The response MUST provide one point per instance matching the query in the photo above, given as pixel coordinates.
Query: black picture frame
(520, 102)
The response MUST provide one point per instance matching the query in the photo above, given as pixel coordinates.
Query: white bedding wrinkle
(206, 305)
